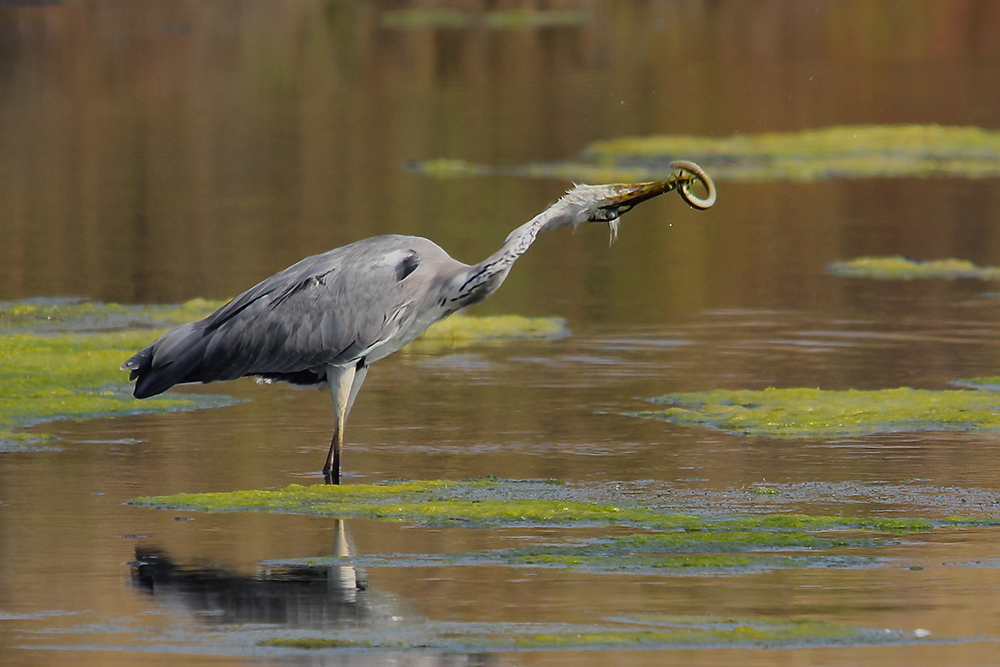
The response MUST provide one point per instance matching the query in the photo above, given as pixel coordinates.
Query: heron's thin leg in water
(331, 470)
(341, 379)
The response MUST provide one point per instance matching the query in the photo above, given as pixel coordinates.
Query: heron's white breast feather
(395, 257)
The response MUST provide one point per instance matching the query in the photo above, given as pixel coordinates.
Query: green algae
(683, 563)
(723, 539)
(712, 632)
(796, 413)
(901, 268)
(488, 502)
(659, 631)
(462, 330)
(862, 151)
(664, 542)
(64, 315)
(859, 151)
(706, 552)
(435, 502)
(59, 359)
(73, 376)
(713, 550)
(450, 168)
(724, 545)
(638, 563)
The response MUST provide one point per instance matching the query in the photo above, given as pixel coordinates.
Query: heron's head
(607, 203)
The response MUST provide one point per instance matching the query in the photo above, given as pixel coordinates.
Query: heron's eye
(605, 214)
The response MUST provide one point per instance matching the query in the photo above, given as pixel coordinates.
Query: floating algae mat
(711, 631)
(653, 631)
(669, 542)
(818, 413)
(74, 373)
(901, 268)
(65, 315)
(712, 550)
(72, 376)
(461, 330)
(60, 358)
(861, 151)
(490, 502)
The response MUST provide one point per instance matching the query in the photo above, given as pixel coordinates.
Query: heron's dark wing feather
(326, 309)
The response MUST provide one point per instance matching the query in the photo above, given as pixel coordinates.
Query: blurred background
(152, 153)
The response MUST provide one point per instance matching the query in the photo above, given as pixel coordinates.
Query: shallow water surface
(158, 154)
(86, 574)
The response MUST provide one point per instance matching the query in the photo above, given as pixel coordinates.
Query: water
(155, 154)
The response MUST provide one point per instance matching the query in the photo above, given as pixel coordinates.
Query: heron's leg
(359, 379)
(347, 576)
(331, 469)
(341, 378)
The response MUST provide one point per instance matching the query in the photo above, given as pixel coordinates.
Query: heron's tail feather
(175, 358)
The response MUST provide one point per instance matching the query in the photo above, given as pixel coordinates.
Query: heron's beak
(629, 196)
(688, 173)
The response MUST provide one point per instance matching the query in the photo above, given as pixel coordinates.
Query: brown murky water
(153, 153)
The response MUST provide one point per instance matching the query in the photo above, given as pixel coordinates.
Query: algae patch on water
(69, 376)
(695, 559)
(820, 413)
(861, 151)
(661, 543)
(713, 550)
(651, 631)
(59, 359)
(462, 330)
(901, 268)
(681, 632)
(489, 501)
(477, 502)
(66, 315)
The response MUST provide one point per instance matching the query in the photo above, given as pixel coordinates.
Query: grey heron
(324, 320)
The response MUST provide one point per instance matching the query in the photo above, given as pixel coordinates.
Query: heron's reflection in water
(296, 595)
(306, 598)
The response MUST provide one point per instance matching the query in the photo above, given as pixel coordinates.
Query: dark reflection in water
(296, 600)
(294, 596)
(299, 597)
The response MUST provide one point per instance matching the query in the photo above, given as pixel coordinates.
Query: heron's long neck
(482, 279)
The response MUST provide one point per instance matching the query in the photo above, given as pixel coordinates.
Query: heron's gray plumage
(330, 309)
(323, 320)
